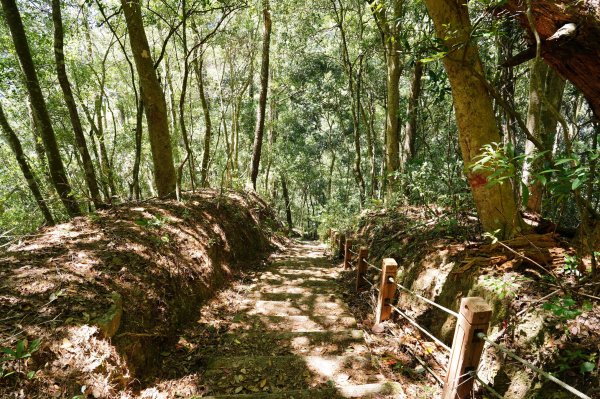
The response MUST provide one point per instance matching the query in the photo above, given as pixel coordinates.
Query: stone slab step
(297, 323)
(377, 390)
(293, 308)
(299, 372)
(274, 343)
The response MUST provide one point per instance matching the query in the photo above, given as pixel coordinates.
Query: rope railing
(472, 322)
(370, 265)
(548, 376)
(429, 301)
(423, 330)
(485, 386)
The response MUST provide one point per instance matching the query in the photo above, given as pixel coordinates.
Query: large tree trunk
(262, 101)
(65, 85)
(38, 103)
(154, 101)
(569, 32)
(496, 205)
(15, 145)
(410, 132)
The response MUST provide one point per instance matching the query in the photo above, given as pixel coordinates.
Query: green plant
(156, 221)
(571, 264)
(586, 361)
(19, 355)
(566, 308)
(505, 287)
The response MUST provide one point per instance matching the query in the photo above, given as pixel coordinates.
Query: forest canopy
(324, 107)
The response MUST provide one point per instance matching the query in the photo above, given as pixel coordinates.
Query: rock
(110, 322)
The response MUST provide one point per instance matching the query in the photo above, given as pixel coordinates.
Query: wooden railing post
(347, 254)
(341, 241)
(387, 290)
(361, 267)
(474, 317)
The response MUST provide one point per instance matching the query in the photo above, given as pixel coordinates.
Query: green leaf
(586, 367)
(576, 183)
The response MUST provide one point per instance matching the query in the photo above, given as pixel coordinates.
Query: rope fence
(470, 333)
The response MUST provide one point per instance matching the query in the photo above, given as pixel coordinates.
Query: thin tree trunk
(262, 101)
(410, 132)
(154, 101)
(286, 199)
(138, 150)
(15, 145)
(544, 85)
(55, 164)
(199, 65)
(61, 71)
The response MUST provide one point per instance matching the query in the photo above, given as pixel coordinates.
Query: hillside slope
(105, 293)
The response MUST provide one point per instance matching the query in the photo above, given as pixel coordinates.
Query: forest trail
(293, 337)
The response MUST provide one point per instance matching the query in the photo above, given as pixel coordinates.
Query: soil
(106, 294)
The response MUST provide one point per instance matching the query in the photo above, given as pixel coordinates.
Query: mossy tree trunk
(65, 85)
(154, 101)
(496, 205)
(262, 100)
(40, 110)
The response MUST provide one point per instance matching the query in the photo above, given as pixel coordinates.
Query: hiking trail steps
(299, 338)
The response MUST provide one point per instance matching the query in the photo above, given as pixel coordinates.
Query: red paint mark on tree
(477, 180)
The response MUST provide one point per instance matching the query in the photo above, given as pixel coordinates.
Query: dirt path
(291, 336)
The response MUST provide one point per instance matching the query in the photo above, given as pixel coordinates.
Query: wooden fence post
(474, 317)
(341, 241)
(347, 253)
(361, 267)
(387, 290)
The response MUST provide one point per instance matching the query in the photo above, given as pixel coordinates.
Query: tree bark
(15, 145)
(286, 199)
(572, 50)
(262, 101)
(65, 85)
(544, 86)
(410, 132)
(199, 64)
(154, 101)
(390, 35)
(38, 103)
(496, 205)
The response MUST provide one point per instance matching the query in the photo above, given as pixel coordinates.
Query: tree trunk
(199, 64)
(389, 28)
(15, 145)
(496, 206)
(410, 132)
(569, 33)
(135, 184)
(544, 86)
(262, 101)
(154, 101)
(65, 85)
(286, 198)
(38, 103)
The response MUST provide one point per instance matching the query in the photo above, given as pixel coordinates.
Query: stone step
(250, 374)
(296, 323)
(376, 390)
(293, 308)
(274, 343)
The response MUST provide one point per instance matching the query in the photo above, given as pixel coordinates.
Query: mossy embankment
(445, 258)
(106, 293)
